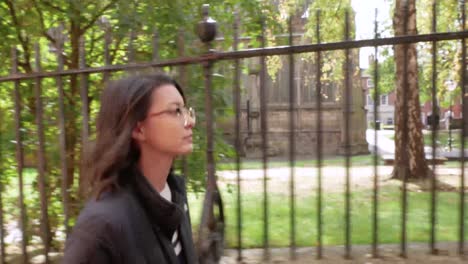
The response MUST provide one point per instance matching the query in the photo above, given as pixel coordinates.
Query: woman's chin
(186, 150)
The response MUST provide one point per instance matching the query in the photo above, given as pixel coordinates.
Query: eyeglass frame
(185, 112)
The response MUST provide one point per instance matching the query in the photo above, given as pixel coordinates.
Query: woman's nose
(190, 122)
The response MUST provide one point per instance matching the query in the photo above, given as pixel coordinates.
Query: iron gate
(212, 226)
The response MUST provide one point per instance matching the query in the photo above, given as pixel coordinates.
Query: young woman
(139, 211)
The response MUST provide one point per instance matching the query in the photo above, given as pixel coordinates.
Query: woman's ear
(137, 132)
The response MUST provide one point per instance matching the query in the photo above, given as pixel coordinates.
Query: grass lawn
(443, 137)
(359, 160)
(333, 218)
(332, 213)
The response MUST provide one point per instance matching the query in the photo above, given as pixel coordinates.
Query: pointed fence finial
(206, 28)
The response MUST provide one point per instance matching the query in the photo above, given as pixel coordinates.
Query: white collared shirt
(175, 241)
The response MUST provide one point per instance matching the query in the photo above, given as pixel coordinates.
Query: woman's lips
(189, 138)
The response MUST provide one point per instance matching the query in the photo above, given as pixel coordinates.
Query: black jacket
(133, 225)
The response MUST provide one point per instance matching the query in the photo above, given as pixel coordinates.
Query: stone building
(278, 116)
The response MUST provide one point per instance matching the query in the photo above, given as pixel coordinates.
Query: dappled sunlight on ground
(333, 178)
(418, 254)
(333, 182)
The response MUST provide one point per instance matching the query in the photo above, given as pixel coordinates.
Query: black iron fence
(210, 234)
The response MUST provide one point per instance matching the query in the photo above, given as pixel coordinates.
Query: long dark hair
(124, 103)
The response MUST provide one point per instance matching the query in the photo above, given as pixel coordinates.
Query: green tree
(420, 69)
(410, 159)
(131, 25)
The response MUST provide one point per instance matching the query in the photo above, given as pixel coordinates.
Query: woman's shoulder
(108, 208)
(98, 226)
(102, 219)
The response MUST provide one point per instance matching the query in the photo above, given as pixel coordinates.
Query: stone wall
(306, 133)
(278, 116)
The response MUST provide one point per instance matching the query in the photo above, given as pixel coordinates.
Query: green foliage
(23, 23)
(448, 16)
(386, 72)
(332, 21)
(448, 52)
(448, 64)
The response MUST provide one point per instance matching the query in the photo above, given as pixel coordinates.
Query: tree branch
(47, 3)
(23, 40)
(97, 15)
(41, 19)
(43, 28)
(14, 18)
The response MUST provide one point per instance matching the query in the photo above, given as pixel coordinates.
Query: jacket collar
(164, 215)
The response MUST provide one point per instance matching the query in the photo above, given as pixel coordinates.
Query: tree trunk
(409, 145)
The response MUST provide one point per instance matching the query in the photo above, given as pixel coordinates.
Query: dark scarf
(163, 214)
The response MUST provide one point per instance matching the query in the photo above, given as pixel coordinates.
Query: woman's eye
(178, 111)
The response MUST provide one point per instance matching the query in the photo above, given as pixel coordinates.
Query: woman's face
(167, 128)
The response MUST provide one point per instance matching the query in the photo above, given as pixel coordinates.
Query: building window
(389, 121)
(370, 83)
(383, 99)
(369, 100)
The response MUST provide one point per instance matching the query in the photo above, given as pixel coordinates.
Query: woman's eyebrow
(176, 103)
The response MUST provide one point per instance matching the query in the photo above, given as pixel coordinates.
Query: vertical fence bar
(84, 85)
(182, 79)
(264, 133)
(208, 203)
(404, 193)
(318, 91)
(62, 138)
(107, 56)
(461, 244)
(292, 141)
(433, 220)
(19, 156)
(375, 202)
(2, 171)
(131, 50)
(209, 131)
(131, 46)
(41, 169)
(85, 128)
(237, 110)
(207, 33)
(155, 42)
(249, 124)
(347, 113)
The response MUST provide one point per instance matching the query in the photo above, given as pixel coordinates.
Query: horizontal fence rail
(249, 53)
(253, 124)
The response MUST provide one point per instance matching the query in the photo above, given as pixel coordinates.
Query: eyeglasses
(183, 111)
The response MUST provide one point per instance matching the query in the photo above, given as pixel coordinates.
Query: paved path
(361, 254)
(386, 146)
